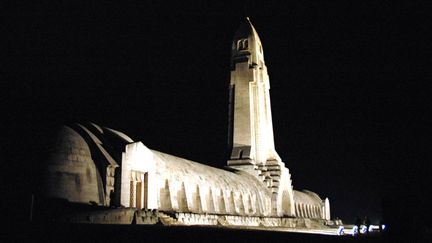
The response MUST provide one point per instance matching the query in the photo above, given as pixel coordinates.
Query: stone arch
(197, 201)
(252, 209)
(222, 207)
(182, 199)
(258, 206)
(210, 202)
(240, 203)
(242, 44)
(303, 207)
(165, 197)
(232, 205)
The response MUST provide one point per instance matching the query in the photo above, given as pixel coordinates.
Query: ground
(112, 233)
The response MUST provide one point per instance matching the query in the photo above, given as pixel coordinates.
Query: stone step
(166, 219)
(275, 172)
(273, 167)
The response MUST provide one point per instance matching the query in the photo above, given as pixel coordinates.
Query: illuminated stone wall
(70, 171)
(180, 185)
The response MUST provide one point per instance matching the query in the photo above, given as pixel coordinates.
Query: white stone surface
(250, 116)
(71, 173)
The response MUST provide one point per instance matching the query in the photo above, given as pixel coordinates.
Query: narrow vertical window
(138, 203)
(239, 45)
(245, 44)
(132, 194)
(145, 189)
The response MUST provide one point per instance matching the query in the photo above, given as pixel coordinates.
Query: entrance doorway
(139, 190)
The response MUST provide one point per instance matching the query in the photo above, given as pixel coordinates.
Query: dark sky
(348, 87)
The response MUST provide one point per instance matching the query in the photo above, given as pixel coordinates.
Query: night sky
(348, 88)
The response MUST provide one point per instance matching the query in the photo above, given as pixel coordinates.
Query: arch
(252, 209)
(245, 44)
(182, 199)
(209, 202)
(222, 207)
(232, 205)
(242, 44)
(241, 205)
(258, 205)
(165, 197)
(303, 206)
(197, 201)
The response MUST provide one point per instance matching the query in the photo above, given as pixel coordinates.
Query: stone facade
(90, 163)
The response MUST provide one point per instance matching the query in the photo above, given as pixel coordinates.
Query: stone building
(90, 163)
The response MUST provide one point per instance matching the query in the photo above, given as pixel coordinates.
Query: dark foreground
(155, 233)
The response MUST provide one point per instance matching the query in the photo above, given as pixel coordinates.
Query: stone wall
(246, 221)
(70, 170)
(88, 214)
(113, 216)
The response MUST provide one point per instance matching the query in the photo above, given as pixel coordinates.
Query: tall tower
(250, 121)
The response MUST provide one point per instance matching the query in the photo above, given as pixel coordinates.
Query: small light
(340, 230)
(355, 230)
(373, 227)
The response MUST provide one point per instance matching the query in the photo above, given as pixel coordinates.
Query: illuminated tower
(251, 129)
(250, 121)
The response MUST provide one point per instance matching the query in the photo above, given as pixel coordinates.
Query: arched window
(245, 44)
(242, 44)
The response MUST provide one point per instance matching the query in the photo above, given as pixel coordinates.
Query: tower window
(242, 44)
(245, 44)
